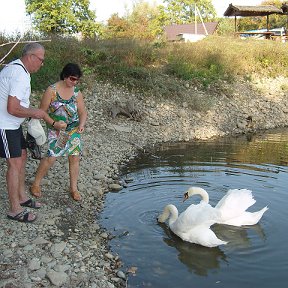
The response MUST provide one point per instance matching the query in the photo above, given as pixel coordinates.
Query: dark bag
(33, 147)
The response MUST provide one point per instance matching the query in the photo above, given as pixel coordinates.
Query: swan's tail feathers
(202, 235)
(216, 242)
(247, 218)
(258, 215)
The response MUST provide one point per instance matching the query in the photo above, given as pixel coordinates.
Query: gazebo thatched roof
(235, 10)
(252, 11)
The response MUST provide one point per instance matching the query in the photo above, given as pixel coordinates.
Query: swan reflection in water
(201, 260)
(237, 237)
(197, 258)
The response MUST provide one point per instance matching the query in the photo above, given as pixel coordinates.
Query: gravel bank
(66, 247)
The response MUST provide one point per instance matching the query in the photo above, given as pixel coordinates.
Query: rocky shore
(65, 246)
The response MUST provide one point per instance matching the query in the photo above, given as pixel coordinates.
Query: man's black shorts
(11, 143)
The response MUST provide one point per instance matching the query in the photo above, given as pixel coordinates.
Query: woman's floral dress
(65, 110)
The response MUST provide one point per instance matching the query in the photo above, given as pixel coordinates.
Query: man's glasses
(73, 79)
(40, 59)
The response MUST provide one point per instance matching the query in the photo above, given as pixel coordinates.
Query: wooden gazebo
(252, 11)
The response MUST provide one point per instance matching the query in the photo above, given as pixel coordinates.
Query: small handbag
(33, 147)
(36, 130)
(35, 138)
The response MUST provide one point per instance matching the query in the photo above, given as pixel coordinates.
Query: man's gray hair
(31, 47)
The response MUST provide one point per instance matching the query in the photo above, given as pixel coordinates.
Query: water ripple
(255, 256)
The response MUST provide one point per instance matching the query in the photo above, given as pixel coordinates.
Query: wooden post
(203, 24)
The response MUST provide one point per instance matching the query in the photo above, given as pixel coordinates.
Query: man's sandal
(22, 217)
(31, 203)
(35, 191)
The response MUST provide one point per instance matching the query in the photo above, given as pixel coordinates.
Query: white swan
(232, 207)
(192, 225)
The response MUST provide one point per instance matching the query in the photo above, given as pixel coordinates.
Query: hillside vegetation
(159, 68)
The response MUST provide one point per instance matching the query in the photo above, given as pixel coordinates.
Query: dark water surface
(255, 256)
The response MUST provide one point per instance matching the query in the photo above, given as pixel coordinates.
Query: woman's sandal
(31, 203)
(75, 195)
(22, 217)
(35, 191)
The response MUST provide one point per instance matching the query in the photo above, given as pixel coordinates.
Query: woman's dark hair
(70, 69)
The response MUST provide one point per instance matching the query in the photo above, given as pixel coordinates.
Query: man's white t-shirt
(14, 81)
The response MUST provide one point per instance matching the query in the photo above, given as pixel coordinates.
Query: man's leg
(12, 147)
(13, 179)
(21, 189)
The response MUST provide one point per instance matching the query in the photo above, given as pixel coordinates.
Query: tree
(225, 26)
(140, 23)
(62, 16)
(117, 27)
(275, 20)
(142, 20)
(183, 11)
(158, 23)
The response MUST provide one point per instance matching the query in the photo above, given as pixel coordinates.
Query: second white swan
(231, 209)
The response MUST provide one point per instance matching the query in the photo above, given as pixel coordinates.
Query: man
(15, 90)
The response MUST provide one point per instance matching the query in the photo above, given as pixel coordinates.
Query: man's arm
(14, 108)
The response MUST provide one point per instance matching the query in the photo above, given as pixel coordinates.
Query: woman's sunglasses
(74, 79)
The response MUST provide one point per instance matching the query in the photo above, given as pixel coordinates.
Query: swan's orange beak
(185, 196)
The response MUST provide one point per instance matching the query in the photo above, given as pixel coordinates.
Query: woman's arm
(44, 105)
(81, 112)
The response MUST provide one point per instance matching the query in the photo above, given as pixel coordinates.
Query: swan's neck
(171, 212)
(173, 215)
(199, 191)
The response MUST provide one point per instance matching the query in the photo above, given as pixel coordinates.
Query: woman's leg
(74, 163)
(42, 170)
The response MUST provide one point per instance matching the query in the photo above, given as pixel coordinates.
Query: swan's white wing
(202, 235)
(195, 215)
(234, 203)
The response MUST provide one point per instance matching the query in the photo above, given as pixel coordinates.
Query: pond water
(256, 256)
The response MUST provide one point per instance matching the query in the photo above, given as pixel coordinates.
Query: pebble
(121, 274)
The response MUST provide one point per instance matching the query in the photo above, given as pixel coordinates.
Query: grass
(161, 69)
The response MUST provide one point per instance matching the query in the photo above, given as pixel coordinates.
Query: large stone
(57, 278)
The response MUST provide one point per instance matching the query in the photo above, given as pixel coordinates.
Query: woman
(64, 103)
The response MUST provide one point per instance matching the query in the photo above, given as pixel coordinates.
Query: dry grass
(162, 69)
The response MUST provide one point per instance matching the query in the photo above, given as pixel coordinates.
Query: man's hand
(39, 114)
